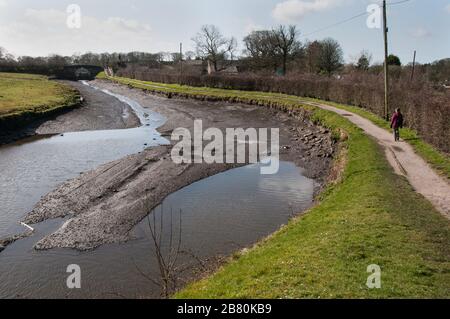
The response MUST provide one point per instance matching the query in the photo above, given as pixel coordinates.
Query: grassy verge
(32, 95)
(372, 216)
(438, 160)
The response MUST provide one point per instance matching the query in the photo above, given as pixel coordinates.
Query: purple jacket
(397, 121)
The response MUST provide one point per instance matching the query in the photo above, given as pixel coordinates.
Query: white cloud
(3, 3)
(447, 8)
(40, 32)
(294, 10)
(420, 33)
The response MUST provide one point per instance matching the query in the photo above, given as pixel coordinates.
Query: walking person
(397, 124)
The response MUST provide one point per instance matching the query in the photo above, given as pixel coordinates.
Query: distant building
(224, 67)
(230, 70)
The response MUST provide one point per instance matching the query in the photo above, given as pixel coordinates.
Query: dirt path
(404, 160)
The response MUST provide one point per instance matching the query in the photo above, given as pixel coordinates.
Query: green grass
(438, 160)
(26, 93)
(371, 216)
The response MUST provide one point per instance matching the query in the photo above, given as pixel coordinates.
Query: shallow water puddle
(219, 215)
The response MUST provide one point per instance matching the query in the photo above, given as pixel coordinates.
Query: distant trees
(7, 64)
(5, 55)
(231, 48)
(286, 43)
(312, 56)
(2, 53)
(260, 50)
(273, 49)
(176, 57)
(56, 63)
(267, 52)
(212, 46)
(393, 60)
(364, 60)
(331, 57)
(53, 63)
(189, 55)
(276, 49)
(438, 71)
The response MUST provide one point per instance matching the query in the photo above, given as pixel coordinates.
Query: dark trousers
(397, 134)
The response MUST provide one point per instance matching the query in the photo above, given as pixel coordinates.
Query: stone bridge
(80, 72)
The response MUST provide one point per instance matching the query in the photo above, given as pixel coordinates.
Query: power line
(337, 23)
(395, 3)
(350, 19)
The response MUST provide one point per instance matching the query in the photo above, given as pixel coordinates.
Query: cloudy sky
(29, 27)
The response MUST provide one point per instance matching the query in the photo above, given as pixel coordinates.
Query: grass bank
(371, 216)
(26, 96)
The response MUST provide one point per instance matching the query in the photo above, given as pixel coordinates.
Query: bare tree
(231, 48)
(176, 57)
(2, 52)
(260, 49)
(167, 258)
(286, 43)
(273, 48)
(364, 60)
(213, 46)
(7, 61)
(190, 55)
(167, 241)
(331, 56)
(312, 52)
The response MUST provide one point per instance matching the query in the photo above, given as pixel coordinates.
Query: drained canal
(210, 218)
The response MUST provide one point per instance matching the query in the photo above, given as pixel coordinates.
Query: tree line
(277, 51)
(269, 50)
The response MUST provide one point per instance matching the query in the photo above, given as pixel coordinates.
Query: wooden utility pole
(181, 61)
(413, 66)
(386, 66)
